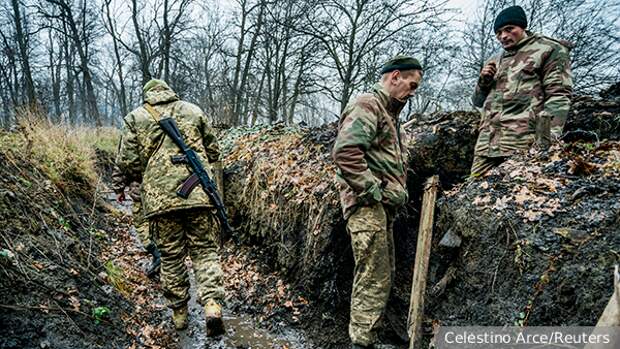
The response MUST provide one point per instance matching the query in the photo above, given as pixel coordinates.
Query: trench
(242, 328)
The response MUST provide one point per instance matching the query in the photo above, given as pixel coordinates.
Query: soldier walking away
(524, 93)
(371, 175)
(140, 224)
(180, 226)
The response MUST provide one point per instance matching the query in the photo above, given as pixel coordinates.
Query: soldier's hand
(488, 72)
(120, 197)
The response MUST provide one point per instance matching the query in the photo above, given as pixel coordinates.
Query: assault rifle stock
(199, 174)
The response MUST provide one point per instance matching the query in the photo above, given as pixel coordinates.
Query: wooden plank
(611, 314)
(423, 251)
(610, 318)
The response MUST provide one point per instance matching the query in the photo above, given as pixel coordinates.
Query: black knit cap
(401, 62)
(512, 15)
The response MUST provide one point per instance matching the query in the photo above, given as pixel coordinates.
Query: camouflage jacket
(369, 154)
(145, 150)
(533, 81)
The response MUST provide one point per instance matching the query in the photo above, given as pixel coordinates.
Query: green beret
(154, 83)
(401, 62)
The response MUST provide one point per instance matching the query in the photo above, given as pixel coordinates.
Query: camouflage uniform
(526, 102)
(371, 176)
(180, 226)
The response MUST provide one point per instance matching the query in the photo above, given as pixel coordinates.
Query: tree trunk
(23, 51)
(166, 37)
(70, 82)
(55, 76)
(144, 60)
(296, 90)
(91, 100)
(257, 99)
(122, 96)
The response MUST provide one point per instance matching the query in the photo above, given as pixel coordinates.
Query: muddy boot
(213, 315)
(179, 318)
(155, 266)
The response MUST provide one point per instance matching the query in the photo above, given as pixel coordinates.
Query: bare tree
(22, 40)
(351, 31)
(78, 34)
(111, 28)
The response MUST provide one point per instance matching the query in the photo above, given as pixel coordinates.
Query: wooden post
(610, 318)
(423, 251)
(611, 314)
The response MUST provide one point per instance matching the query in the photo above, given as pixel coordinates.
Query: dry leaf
(481, 200)
(75, 303)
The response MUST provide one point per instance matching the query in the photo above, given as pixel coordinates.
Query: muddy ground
(51, 287)
(73, 275)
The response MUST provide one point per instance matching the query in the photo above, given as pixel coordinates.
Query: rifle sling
(152, 111)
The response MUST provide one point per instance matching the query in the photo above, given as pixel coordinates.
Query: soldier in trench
(180, 227)
(371, 165)
(524, 93)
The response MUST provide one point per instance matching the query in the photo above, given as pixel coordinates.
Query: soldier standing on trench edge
(180, 227)
(524, 93)
(371, 176)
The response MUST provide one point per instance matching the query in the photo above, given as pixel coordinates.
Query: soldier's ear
(394, 76)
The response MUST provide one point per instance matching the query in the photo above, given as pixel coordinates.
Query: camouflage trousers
(483, 164)
(141, 224)
(372, 240)
(194, 233)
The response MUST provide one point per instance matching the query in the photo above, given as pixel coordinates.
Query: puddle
(241, 332)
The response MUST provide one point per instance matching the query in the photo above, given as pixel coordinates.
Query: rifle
(199, 174)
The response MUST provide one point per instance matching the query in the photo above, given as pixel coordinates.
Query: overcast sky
(467, 7)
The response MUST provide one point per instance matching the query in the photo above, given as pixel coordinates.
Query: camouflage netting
(280, 185)
(562, 209)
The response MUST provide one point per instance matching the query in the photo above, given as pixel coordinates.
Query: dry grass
(65, 154)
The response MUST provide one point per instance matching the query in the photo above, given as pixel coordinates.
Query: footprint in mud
(241, 332)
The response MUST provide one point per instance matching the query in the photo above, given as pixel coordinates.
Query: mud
(49, 266)
(539, 241)
(242, 330)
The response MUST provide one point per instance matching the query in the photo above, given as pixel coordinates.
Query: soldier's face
(509, 35)
(404, 84)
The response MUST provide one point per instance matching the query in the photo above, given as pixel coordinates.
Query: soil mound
(70, 274)
(540, 239)
(52, 295)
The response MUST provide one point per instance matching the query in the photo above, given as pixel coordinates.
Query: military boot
(179, 317)
(213, 315)
(155, 266)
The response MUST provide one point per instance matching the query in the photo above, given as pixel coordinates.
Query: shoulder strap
(153, 112)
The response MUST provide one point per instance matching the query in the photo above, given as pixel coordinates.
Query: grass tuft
(67, 155)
